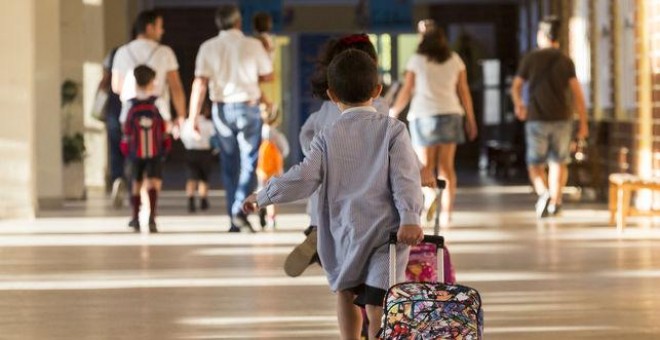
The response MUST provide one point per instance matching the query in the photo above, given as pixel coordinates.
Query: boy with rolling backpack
(430, 305)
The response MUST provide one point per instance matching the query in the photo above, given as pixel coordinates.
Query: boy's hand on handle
(428, 177)
(410, 234)
(250, 204)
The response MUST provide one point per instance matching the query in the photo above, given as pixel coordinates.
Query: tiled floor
(79, 274)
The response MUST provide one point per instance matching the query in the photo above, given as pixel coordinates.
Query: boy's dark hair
(434, 45)
(550, 27)
(353, 76)
(144, 19)
(262, 22)
(333, 48)
(227, 16)
(144, 75)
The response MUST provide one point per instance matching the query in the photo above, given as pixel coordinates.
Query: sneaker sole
(301, 256)
(117, 193)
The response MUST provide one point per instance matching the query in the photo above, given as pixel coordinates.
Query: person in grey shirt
(550, 77)
(369, 185)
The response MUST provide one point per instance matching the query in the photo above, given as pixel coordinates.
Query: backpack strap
(134, 59)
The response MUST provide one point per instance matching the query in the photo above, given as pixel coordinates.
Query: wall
(29, 95)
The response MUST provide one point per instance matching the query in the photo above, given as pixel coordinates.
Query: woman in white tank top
(436, 81)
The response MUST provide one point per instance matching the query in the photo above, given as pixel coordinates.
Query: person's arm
(581, 107)
(178, 97)
(307, 133)
(463, 90)
(403, 97)
(299, 182)
(406, 185)
(106, 81)
(281, 142)
(197, 96)
(516, 96)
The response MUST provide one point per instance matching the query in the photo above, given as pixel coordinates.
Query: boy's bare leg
(375, 315)
(203, 189)
(191, 186)
(349, 316)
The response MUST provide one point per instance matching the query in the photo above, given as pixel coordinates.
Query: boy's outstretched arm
(406, 185)
(297, 183)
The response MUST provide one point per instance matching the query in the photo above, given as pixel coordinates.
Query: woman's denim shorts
(438, 129)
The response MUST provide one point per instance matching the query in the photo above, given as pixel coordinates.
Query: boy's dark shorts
(199, 164)
(368, 295)
(151, 167)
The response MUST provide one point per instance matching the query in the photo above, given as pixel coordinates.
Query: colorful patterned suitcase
(430, 310)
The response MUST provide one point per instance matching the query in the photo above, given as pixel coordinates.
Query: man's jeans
(239, 130)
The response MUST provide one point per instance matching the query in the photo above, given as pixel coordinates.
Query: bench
(621, 188)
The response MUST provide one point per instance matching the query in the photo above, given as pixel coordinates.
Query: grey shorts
(548, 141)
(439, 129)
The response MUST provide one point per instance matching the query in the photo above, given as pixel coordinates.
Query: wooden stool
(621, 188)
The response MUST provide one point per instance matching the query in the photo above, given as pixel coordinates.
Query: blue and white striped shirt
(369, 184)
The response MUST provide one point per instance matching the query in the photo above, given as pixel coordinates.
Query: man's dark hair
(550, 26)
(144, 75)
(434, 45)
(333, 48)
(353, 76)
(144, 19)
(227, 16)
(262, 22)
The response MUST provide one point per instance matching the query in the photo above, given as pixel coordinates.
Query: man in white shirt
(231, 66)
(146, 49)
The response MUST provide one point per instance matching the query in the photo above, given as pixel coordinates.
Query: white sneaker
(118, 193)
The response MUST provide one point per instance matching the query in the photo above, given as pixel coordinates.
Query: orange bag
(270, 161)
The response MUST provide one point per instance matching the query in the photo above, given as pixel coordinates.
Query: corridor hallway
(79, 273)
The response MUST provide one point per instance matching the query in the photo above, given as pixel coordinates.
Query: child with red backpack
(273, 150)
(145, 143)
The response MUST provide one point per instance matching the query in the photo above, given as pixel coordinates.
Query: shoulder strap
(151, 54)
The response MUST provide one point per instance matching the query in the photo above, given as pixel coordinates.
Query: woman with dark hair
(436, 81)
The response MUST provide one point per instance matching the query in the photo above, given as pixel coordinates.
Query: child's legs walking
(135, 198)
(153, 188)
(348, 315)
(375, 315)
(191, 187)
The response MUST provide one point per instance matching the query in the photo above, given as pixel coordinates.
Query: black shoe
(262, 218)
(135, 224)
(241, 221)
(234, 229)
(152, 226)
(191, 205)
(204, 205)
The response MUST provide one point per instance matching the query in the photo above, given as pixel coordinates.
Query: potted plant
(73, 144)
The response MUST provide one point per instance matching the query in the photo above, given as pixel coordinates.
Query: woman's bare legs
(349, 316)
(447, 171)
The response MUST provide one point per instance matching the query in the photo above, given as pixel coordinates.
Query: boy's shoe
(118, 193)
(554, 210)
(191, 205)
(301, 256)
(135, 224)
(152, 226)
(234, 229)
(241, 221)
(204, 204)
(262, 218)
(542, 205)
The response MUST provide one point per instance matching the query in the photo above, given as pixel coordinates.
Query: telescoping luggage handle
(439, 242)
(441, 184)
